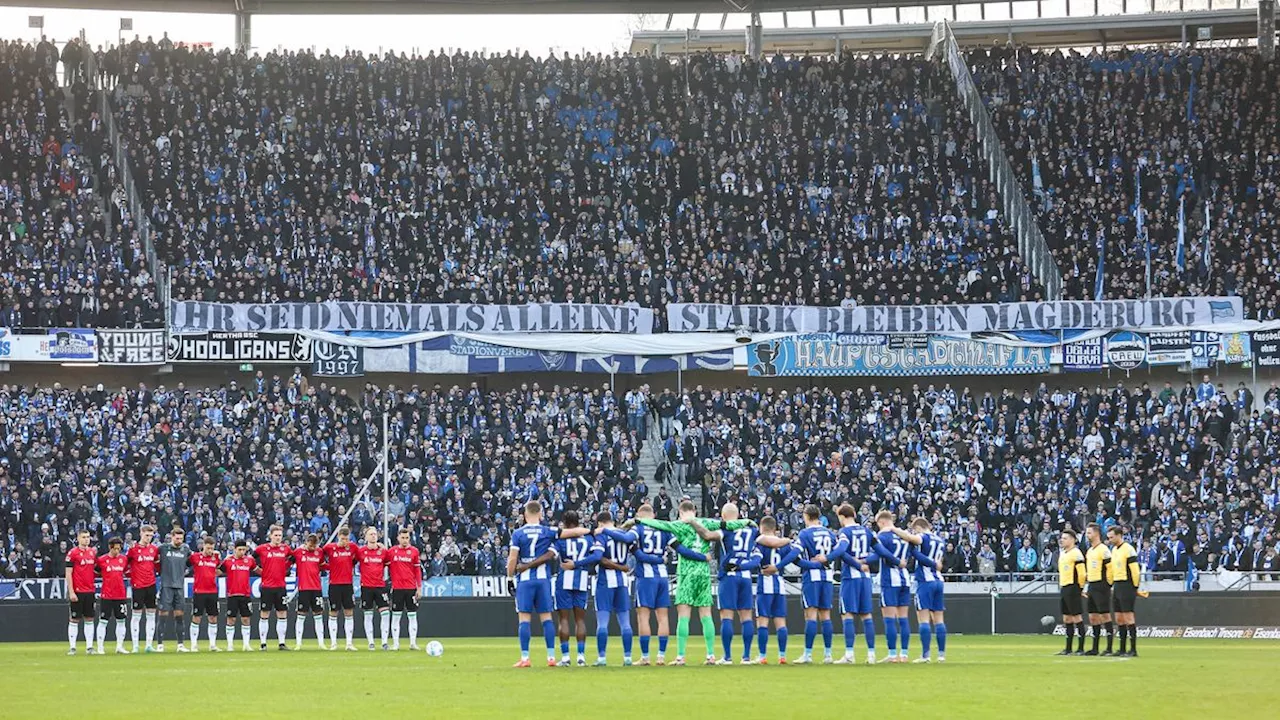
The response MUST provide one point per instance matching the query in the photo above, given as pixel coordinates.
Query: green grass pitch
(1003, 676)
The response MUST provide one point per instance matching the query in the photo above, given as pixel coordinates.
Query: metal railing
(1031, 243)
(124, 173)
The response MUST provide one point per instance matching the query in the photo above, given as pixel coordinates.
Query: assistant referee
(1097, 591)
(1071, 579)
(1125, 576)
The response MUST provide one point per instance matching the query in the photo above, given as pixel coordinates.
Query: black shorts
(1124, 596)
(271, 598)
(309, 601)
(113, 609)
(205, 604)
(238, 606)
(1099, 598)
(144, 598)
(371, 598)
(402, 600)
(82, 606)
(1070, 602)
(342, 597)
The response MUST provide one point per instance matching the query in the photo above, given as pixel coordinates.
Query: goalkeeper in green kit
(693, 573)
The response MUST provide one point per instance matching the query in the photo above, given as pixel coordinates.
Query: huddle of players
(750, 561)
(145, 562)
(1107, 577)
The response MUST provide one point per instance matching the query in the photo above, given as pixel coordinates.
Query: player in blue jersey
(573, 586)
(532, 547)
(771, 602)
(653, 585)
(855, 583)
(818, 546)
(895, 587)
(739, 556)
(927, 551)
(613, 585)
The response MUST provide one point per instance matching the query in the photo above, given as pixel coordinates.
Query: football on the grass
(435, 649)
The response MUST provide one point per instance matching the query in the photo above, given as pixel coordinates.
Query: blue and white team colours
(750, 566)
(532, 548)
(895, 586)
(856, 575)
(927, 552)
(771, 599)
(818, 547)
(653, 586)
(740, 558)
(573, 587)
(613, 585)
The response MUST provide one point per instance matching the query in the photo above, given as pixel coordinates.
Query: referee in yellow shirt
(1124, 589)
(1071, 579)
(1097, 590)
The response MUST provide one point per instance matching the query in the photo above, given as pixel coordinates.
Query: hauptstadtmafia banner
(828, 354)
(189, 316)
(957, 319)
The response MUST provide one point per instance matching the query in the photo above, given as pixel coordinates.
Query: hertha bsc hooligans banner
(193, 316)
(131, 347)
(238, 347)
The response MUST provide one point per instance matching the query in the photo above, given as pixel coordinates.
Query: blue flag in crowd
(1099, 283)
(1208, 238)
(1181, 258)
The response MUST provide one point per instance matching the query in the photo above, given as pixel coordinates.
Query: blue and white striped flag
(1100, 282)
(1181, 258)
(1206, 249)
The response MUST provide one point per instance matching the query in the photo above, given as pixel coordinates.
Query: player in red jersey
(204, 601)
(373, 586)
(339, 560)
(274, 558)
(238, 569)
(82, 560)
(144, 563)
(405, 565)
(308, 562)
(112, 567)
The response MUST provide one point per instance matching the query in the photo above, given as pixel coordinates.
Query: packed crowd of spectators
(1197, 127)
(231, 461)
(507, 179)
(63, 262)
(1191, 471)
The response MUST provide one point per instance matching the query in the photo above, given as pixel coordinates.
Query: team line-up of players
(748, 567)
(163, 568)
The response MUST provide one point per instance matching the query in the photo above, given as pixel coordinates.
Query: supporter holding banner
(195, 316)
(950, 319)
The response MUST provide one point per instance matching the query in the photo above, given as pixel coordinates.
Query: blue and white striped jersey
(862, 544)
(530, 542)
(932, 547)
(771, 584)
(892, 545)
(617, 550)
(574, 549)
(815, 541)
(739, 546)
(652, 544)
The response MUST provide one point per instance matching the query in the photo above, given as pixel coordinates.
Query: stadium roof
(450, 7)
